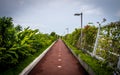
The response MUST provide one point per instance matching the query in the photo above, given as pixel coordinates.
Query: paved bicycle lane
(58, 61)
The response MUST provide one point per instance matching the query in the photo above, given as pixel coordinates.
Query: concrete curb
(33, 64)
(85, 65)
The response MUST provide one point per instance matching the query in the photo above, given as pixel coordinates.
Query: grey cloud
(109, 6)
(58, 12)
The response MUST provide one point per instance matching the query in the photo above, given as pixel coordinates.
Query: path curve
(58, 61)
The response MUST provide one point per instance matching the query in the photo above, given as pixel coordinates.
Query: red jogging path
(58, 61)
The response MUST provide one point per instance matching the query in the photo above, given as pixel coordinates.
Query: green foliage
(74, 38)
(108, 46)
(100, 68)
(108, 43)
(6, 32)
(18, 28)
(53, 34)
(19, 67)
(16, 44)
(88, 38)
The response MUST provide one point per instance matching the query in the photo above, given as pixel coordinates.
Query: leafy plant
(16, 45)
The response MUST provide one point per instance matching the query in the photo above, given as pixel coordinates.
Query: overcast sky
(57, 15)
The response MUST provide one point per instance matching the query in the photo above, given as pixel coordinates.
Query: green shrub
(99, 67)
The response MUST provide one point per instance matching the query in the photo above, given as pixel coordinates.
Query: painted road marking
(59, 66)
(59, 59)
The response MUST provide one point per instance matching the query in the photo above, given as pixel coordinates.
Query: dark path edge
(26, 70)
(84, 65)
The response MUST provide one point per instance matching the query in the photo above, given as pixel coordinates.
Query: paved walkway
(58, 61)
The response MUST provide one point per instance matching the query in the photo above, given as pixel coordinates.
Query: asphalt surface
(58, 61)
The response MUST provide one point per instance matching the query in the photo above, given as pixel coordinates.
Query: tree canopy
(17, 44)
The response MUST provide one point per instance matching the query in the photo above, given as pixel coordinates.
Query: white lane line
(59, 59)
(59, 66)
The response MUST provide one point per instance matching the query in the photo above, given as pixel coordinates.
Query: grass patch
(99, 67)
(18, 68)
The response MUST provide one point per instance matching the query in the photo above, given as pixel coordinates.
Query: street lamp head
(77, 14)
(104, 19)
(90, 23)
(98, 22)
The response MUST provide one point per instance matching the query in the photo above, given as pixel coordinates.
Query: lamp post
(67, 30)
(80, 14)
(98, 33)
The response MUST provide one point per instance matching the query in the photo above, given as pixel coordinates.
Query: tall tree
(6, 31)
